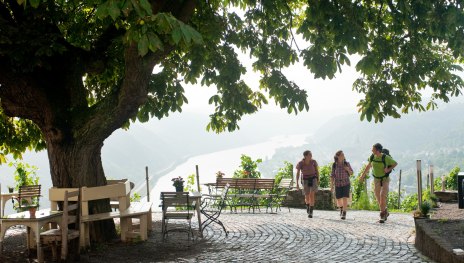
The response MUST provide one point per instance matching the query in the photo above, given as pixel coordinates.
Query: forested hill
(435, 137)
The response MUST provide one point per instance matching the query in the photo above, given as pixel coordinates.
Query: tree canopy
(77, 70)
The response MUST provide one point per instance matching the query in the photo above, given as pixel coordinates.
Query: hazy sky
(329, 96)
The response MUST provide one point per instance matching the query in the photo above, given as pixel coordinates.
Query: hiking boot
(343, 217)
(310, 214)
(307, 209)
(341, 211)
(382, 217)
(386, 214)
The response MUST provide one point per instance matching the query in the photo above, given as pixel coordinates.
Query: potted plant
(425, 209)
(30, 205)
(178, 183)
(24, 174)
(220, 174)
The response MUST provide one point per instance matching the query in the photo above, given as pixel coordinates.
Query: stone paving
(282, 237)
(289, 237)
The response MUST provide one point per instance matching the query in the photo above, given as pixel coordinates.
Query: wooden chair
(30, 193)
(177, 206)
(65, 233)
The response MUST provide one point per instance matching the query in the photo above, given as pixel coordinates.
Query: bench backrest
(286, 183)
(56, 195)
(246, 183)
(264, 184)
(120, 191)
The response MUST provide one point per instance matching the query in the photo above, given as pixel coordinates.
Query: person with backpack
(382, 164)
(340, 178)
(310, 180)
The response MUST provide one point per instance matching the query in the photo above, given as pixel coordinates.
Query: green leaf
(154, 42)
(142, 46)
(176, 35)
(146, 6)
(102, 11)
(35, 3)
(114, 10)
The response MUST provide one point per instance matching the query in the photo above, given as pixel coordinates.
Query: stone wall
(324, 200)
(428, 242)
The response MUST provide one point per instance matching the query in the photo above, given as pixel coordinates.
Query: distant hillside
(435, 137)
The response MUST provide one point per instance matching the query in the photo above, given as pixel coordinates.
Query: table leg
(199, 217)
(2, 236)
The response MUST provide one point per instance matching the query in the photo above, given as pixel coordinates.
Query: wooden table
(42, 217)
(197, 197)
(5, 197)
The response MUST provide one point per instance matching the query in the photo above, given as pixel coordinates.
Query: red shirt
(307, 170)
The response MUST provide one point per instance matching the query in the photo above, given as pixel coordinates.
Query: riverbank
(226, 161)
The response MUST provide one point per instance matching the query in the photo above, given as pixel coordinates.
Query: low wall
(429, 243)
(324, 200)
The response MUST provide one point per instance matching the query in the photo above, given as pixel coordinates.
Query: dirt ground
(449, 223)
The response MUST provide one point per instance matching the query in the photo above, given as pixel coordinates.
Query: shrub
(284, 172)
(324, 175)
(248, 168)
(451, 180)
(392, 201)
(24, 174)
(409, 203)
(357, 186)
(425, 208)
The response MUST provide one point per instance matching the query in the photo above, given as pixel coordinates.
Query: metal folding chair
(212, 207)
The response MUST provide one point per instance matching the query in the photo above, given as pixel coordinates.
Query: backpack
(385, 152)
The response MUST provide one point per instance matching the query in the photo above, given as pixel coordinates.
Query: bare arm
(368, 167)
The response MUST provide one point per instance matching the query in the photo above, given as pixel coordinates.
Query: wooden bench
(126, 211)
(245, 192)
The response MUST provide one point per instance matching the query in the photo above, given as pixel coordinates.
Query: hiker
(310, 180)
(340, 178)
(382, 165)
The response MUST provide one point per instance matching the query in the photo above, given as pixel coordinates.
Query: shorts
(310, 189)
(342, 191)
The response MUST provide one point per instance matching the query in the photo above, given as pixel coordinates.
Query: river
(226, 161)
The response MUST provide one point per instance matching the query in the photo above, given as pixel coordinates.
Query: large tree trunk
(77, 164)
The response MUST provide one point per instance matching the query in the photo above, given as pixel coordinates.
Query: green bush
(24, 174)
(248, 168)
(451, 180)
(363, 202)
(190, 184)
(409, 203)
(392, 201)
(431, 198)
(425, 208)
(324, 175)
(284, 172)
(357, 186)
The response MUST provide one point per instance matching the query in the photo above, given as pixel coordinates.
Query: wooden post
(148, 183)
(428, 180)
(443, 184)
(419, 183)
(198, 178)
(432, 187)
(399, 191)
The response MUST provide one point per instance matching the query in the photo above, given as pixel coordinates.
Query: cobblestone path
(282, 237)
